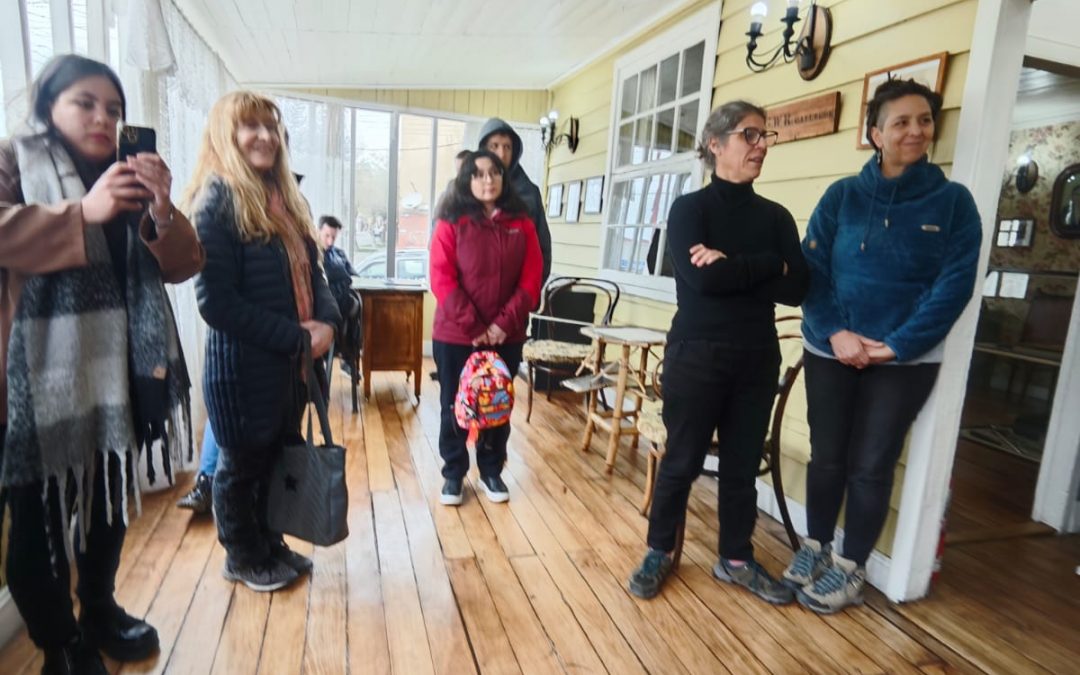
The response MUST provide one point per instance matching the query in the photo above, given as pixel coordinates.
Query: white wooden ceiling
(513, 44)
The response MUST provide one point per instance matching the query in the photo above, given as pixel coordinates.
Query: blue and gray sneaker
(647, 579)
(838, 587)
(808, 564)
(753, 577)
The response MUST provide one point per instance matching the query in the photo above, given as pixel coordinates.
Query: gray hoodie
(525, 188)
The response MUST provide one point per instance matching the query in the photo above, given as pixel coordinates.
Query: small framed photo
(554, 201)
(573, 201)
(594, 195)
(929, 70)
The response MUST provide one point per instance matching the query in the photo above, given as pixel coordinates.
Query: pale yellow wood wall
(513, 105)
(867, 35)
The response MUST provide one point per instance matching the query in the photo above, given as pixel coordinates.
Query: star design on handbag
(291, 483)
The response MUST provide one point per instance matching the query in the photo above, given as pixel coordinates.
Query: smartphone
(131, 140)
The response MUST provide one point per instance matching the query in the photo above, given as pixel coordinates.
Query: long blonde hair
(219, 155)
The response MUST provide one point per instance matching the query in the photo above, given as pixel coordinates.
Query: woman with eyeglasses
(485, 274)
(735, 254)
(892, 254)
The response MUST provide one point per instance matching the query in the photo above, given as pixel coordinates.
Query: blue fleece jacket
(891, 259)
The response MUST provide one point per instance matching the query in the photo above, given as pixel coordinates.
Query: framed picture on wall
(928, 70)
(594, 195)
(573, 201)
(554, 200)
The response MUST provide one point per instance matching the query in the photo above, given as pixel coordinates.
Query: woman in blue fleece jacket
(892, 255)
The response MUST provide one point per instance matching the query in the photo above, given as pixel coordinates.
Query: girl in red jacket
(485, 274)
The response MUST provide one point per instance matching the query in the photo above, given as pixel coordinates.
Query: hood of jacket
(494, 126)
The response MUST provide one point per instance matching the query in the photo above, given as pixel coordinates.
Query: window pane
(629, 96)
(620, 248)
(669, 79)
(114, 43)
(371, 191)
(643, 139)
(626, 142)
(635, 201)
(451, 141)
(687, 126)
(79, 26)
(647, 98)
(619, 202)
(647, 242)
(667, 268)
(39, 31)
(665, 133)
(653, 213)
(692, 64)
(414, 182)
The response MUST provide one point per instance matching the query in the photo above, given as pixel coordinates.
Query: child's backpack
(485, 395)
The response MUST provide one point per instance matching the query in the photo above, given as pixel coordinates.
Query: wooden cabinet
(393, 330)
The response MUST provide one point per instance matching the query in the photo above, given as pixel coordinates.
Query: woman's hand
(322, 335)
(481, 339)
(495, 335)
(849, 349)
(700, 255)
(116, 191)
(880, 354)
(154, 174)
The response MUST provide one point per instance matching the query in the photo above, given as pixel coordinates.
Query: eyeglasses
(752, 135)
(491, 175)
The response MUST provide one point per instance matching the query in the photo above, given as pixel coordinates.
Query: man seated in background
(339, 274)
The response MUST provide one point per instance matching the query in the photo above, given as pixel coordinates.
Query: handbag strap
(315, 396)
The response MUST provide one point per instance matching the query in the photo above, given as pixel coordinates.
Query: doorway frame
(996, 57)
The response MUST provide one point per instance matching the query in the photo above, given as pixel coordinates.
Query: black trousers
(714, 388)
(491, 445)
(42, 589)
(858, 421)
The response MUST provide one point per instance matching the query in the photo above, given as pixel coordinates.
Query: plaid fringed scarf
(80, 351)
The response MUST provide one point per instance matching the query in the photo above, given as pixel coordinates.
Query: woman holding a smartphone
(90, 363)
(262, 294)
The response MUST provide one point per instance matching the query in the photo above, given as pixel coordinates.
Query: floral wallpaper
(1053, 148)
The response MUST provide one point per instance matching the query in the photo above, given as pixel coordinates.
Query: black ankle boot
(201, 498)
(121, 636)
(75, 658)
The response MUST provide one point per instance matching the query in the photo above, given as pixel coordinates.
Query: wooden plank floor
(538, 585)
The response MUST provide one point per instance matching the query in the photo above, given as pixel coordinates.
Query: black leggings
(40, 588)
(858, 422)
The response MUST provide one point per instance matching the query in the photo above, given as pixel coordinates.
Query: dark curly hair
(459, 200)
(889, 91)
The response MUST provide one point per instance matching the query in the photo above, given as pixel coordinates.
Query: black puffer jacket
(246, 296)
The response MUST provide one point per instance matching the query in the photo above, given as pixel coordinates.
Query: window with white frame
(662, 95)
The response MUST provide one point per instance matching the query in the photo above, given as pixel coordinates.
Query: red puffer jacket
(484, 271)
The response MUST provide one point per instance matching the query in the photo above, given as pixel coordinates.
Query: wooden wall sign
(817, 116)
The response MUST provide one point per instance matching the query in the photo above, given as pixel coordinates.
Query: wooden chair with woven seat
(556, 346)
(650, 424)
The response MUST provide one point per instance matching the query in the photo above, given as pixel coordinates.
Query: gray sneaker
(647, 579)
(809, 562)
(264, 577)
(838, 587)
(755, 579)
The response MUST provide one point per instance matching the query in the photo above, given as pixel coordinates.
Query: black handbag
(308, 496)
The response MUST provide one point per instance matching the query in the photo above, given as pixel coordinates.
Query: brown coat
(41, 239)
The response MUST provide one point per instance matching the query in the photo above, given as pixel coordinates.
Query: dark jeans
(42, 589)
(714, 388)
(858, 422)
(491, 445)
(241, 485)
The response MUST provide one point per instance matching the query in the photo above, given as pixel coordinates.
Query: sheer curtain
(178, 104)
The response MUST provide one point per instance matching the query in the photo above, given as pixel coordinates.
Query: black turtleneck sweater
(731, 301)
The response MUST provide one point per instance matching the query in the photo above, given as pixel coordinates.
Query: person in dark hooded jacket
(501, 139)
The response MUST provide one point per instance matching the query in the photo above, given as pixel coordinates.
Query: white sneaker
(495, 489)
